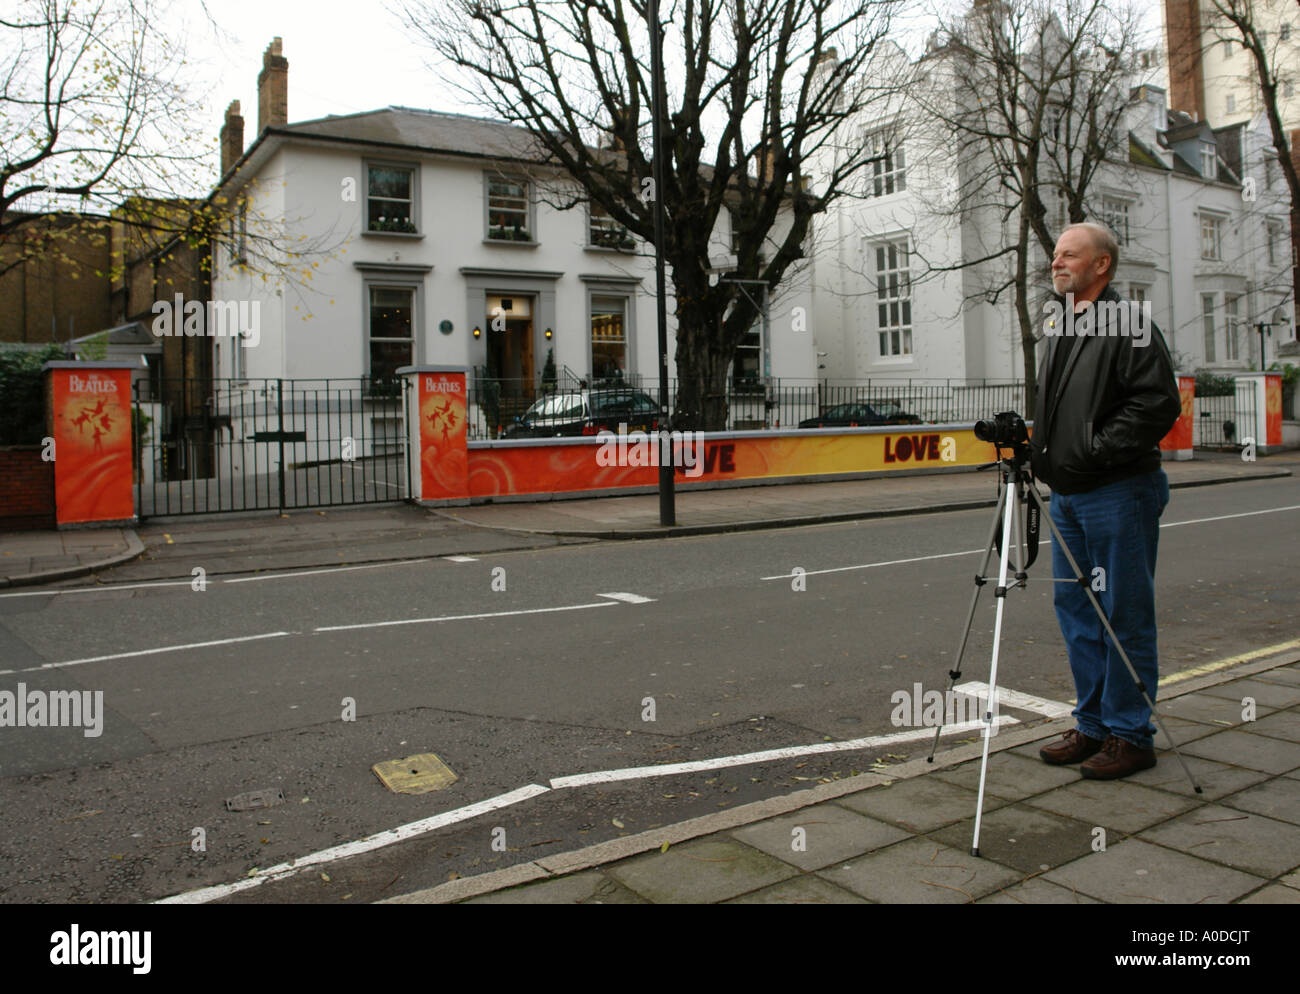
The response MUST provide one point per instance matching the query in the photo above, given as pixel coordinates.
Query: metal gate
(208, 446)
(1224, 422)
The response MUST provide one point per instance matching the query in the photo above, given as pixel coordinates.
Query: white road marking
(1015, 699)
(629, 598)
(890, 562)
(149, 652)
(746, 759)
(282, 871)
(460, 559)
(1046, 541)
(1225, 517)
(461, 617)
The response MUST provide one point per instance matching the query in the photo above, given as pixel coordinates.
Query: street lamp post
(667, 501)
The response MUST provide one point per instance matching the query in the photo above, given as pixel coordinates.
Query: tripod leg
(1008, 525)
(954, 674)
(1128, 663)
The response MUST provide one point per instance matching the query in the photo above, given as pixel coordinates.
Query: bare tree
(749, 105)
(97, 131)
(1034, 94)
(1242, 22)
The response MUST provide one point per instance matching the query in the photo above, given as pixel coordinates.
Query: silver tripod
(1016, 488)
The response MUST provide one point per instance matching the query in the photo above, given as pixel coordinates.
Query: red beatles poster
(443, 457)
(91, 410)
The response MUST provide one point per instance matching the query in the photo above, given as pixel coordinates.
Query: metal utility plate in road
(419, 774)
(254, 799)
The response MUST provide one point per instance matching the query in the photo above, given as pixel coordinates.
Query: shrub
(22, 395)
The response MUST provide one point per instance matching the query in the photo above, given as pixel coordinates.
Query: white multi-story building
(1204, 238)
(439, 238)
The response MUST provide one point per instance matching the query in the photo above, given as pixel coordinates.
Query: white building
(438, 238)
(1204, 238)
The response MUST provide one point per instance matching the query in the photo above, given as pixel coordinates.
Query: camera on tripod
(1006, 430)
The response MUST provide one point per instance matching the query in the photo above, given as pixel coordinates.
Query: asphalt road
(515, 669)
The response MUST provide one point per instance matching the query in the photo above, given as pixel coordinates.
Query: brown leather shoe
(1118, 759)
(1073, 748)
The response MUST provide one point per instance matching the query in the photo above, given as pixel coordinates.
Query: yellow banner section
(613, 461)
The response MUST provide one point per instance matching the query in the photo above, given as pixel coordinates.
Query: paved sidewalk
(45, 556)
(229, 543)
(783, 505)
(905, 837)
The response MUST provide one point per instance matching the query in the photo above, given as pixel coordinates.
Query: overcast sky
(344, 57)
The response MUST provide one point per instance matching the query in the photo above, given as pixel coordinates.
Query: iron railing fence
(205, 446)
(1224, 422)
(494, 403)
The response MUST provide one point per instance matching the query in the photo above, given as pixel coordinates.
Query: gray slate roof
(425, 130)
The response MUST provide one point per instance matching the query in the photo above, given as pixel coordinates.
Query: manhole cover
(255, 799)
(418, 774)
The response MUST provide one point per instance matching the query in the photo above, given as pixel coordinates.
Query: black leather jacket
(1114, 402)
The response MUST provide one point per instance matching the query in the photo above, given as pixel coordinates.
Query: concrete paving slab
(1273, 894)
(1287, 675)
(831, 834)
(921, 804)
(1244, 841)
(1209, 709)
(805, 890)
(1274, 695)
(1036, 890)
(1278, 799)
(589, 887)
(1119, 806)
(921, 871)
(1216, 780)
(1254, 752)
(704, 871)
(1291, 880)
(1138, 872)
(1026, 838)
(1011, 777)
(1278, 725)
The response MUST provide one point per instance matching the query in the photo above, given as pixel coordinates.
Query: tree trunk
(704, 356)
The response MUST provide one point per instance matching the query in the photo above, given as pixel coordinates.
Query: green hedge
(1212, 385)
(22, 395)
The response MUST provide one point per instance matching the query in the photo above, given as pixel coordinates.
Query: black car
(861, 415)
(587, 412)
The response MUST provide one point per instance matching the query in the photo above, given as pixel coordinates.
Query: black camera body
(1006, 430)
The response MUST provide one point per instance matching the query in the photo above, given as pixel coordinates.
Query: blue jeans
(1115, 527)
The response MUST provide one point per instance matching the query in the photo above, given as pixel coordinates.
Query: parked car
(861, 415)
(587, 412)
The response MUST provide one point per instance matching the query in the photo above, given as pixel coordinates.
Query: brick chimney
(273, 88)
(1186, 75)
(232, 137)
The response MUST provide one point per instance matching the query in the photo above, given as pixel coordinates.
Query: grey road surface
(516, 668)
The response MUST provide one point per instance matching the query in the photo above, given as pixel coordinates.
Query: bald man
(1107, 396)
